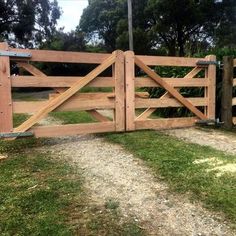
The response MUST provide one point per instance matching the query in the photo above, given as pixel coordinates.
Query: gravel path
(111, 173)
(217, 139)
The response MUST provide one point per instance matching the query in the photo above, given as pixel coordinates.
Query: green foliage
(174, 72)
(225, 32)
(180, 27)
(28, 22)
(173, 160)
(114, 32)
(173, 23)
(60, 41)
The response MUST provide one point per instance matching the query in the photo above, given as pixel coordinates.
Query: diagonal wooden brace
(56, 102)
(149, 111)
(171, 90)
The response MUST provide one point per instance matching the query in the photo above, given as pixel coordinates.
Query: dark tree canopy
(225, 33)
(106, 20)
(180, 27)
(100, 19)
(28, 22)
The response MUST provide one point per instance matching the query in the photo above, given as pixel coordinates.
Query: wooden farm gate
(67, 95)
(124, 95)
(201, 74)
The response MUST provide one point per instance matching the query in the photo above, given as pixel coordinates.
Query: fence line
(131, 105)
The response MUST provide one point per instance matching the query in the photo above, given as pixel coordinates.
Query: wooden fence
(66, 96)
(172, 96)
(126, 95)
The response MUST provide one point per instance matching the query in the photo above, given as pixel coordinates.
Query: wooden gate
(131, 106)
(67, 96)
(202, 75)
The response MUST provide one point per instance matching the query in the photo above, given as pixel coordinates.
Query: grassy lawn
(41, 195)
(19, 119)
(73, 117)
(175, 162)
(35, 191)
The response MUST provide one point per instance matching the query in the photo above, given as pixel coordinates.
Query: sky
(72, 11)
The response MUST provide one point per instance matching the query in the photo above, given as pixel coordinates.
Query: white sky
(72, 11)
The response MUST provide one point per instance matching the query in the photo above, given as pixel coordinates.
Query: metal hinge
(216, 122)
(207, 63)
(15, 54)
(16, 135)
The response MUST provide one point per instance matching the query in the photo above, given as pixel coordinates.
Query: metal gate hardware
(14, 54)
(206, 63)
(16, 135)
(210, 122)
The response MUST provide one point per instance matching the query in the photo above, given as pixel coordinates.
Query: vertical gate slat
(211, 90)
(119, 75)
(130, 90)
(6, 116)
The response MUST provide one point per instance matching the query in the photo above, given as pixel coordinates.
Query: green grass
(41, 195)
(24, 96)
(73, 117)
(95, 90)
(19, 119)
(35, 192)
(173, 162)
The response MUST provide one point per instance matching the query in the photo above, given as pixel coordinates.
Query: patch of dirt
(217, 139)
(111, 173)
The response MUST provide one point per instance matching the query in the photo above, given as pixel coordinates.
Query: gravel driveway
(112, 173)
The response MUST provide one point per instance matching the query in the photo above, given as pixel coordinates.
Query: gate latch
(15, 54)
(207, 63)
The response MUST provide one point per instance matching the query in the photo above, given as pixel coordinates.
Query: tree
(175, 23)
(106, 21)
(225, 31)
(72, 41)
(181, 27)
(61, 41)
(28, 22)
(100, 20)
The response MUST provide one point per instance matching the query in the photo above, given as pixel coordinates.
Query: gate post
(130, 90)
(119, 75)
(211, 90)
(6, 114)
(227, 90)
